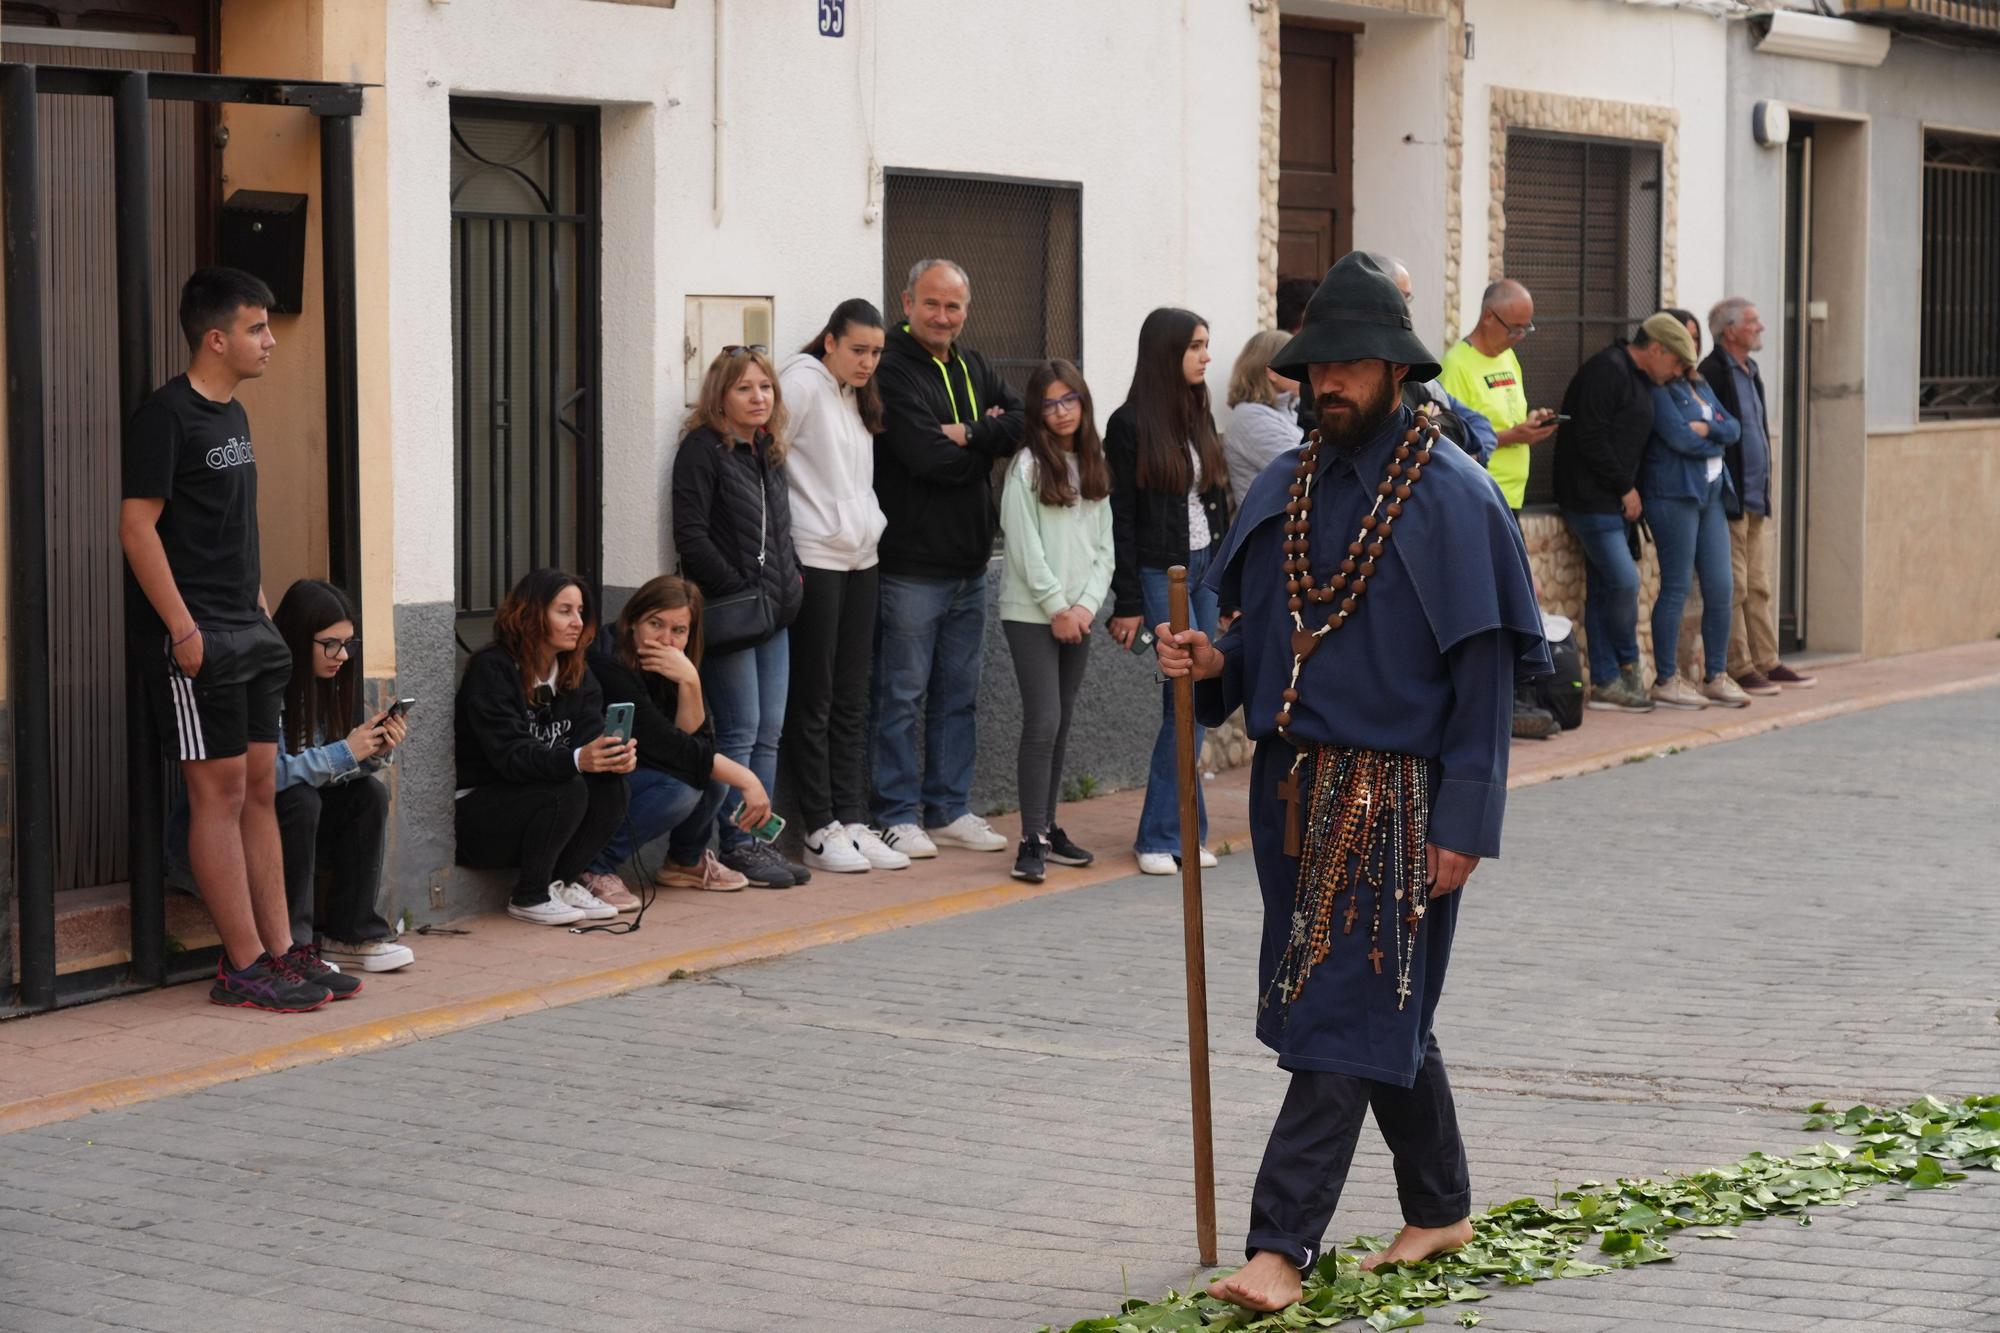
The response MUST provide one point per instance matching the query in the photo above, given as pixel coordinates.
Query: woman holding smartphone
(651, 661)
(330, 805)
(1057, 522)
(1169, 506)
(541, 787)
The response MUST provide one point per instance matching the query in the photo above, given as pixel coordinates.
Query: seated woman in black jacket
(652, 660)
(1169, 506)
(540, 784)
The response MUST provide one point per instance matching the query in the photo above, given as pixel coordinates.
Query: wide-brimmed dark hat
(1356, 314)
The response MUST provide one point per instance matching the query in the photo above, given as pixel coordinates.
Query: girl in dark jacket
(652, 660)
(541, 786)
(330, 805)
(1169, 506)
(733, 529)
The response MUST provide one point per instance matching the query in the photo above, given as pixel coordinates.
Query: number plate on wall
(832, 18)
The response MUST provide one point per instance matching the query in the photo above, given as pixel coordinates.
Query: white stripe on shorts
(187, 717)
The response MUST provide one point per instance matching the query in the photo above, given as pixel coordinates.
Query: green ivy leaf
(1395, 1316)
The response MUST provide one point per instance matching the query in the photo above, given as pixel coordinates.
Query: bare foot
(1266, 1284)
(1416, 1244)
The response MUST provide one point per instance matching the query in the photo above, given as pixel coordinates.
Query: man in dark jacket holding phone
(948, 417)
(1610, 406)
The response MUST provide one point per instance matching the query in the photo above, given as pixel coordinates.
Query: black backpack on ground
(1562, 693)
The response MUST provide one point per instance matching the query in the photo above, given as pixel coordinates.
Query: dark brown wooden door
(1315, 150)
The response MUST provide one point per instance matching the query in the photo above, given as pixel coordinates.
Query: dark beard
(1348, 437)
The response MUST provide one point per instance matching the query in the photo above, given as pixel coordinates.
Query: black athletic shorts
(232, 701)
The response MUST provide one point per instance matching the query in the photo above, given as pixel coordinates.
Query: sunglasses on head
(737, 349)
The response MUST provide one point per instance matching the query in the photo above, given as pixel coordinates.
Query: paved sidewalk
(123, 1051)
(980, 1123)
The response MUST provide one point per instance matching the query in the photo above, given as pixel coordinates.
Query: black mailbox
(264, 232)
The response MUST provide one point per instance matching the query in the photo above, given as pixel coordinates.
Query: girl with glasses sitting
(330, 806)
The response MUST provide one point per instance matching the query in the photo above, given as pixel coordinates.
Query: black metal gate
(526, 422)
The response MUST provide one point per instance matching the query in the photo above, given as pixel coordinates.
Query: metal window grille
(1018, 240)
(1583, 234)
(1958, 373)
(524, 307)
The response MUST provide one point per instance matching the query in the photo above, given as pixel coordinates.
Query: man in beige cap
(1609, 404)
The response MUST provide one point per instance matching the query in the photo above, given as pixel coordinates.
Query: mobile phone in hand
(1142, 643)
(618, 722)
(767, 831)
(400, 708)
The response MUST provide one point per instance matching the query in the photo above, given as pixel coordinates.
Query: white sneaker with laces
(831, 849)
(1158, 863)
(1208, 861)
(880, 854)
(368, 955)
(554, 912)
(583, 900)
(970, 832)
(910, 840)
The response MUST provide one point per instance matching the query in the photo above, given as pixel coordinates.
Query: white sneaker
(970, 832)
(368, 955)
(880, 854)
(1158, 863)
(1208, 861)
(554, 912)
(909, 839)
(831, 849)
(583, 900)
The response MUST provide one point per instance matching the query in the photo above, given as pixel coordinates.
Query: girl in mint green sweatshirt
(1056, 517)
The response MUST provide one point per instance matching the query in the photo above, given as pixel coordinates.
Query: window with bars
(1958, 369)
(1020, 241)
(1583, 235)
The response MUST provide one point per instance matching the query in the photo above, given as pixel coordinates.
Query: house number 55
(832, 17)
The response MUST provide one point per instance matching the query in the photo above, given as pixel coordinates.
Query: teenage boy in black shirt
(214, 665)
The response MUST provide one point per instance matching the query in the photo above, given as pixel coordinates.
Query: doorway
(1797, 338)
(1315, 149)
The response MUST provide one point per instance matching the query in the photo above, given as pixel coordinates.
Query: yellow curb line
(437, 1021)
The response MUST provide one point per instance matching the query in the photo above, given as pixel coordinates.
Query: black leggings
(1049, 673)
(823, 758)
(551, 830)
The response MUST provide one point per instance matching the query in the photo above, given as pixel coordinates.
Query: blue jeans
(1610, 595)
(745, 693)
(1160, 818)
(1693, 541)
(658, 805)
(929, 644)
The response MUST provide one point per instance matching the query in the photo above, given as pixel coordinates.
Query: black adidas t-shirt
(195, 454)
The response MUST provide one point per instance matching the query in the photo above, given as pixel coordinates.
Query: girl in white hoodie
(829, 386)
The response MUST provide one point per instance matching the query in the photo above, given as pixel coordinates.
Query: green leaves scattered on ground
(1621, 1225)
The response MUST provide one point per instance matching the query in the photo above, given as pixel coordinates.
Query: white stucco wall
(1151, 105)
(1399, 156)
(1618, 52)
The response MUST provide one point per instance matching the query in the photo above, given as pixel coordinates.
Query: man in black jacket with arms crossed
(948, 417)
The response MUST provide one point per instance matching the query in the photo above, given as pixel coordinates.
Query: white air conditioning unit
(716, 322)
(1814, 37)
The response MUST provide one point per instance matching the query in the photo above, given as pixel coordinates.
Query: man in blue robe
(1380, 773)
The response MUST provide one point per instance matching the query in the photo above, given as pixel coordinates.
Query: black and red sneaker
(304, 960)
(268, 985)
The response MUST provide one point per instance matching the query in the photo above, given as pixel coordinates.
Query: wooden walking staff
(1196, 950)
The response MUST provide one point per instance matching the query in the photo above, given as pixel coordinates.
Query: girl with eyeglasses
(330, 807)
(1056, 518)
(1169, 506)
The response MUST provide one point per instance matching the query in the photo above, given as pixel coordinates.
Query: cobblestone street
(980, 1124)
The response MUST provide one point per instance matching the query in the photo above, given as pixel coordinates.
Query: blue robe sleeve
(1483, 434)
(1472, 795)
(1215, 700)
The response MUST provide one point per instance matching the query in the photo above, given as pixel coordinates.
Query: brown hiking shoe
(1755, 682)
(1784, 675)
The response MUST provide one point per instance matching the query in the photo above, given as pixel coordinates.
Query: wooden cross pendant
(1354, 910)
(1375, 957)
(1288, 792)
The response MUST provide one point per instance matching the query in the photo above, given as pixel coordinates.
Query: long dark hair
(846, 315)
(1093, 474)
(1172, 413)
(1687, 317)
(315, 707)
(521, 627)
(666, 592)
